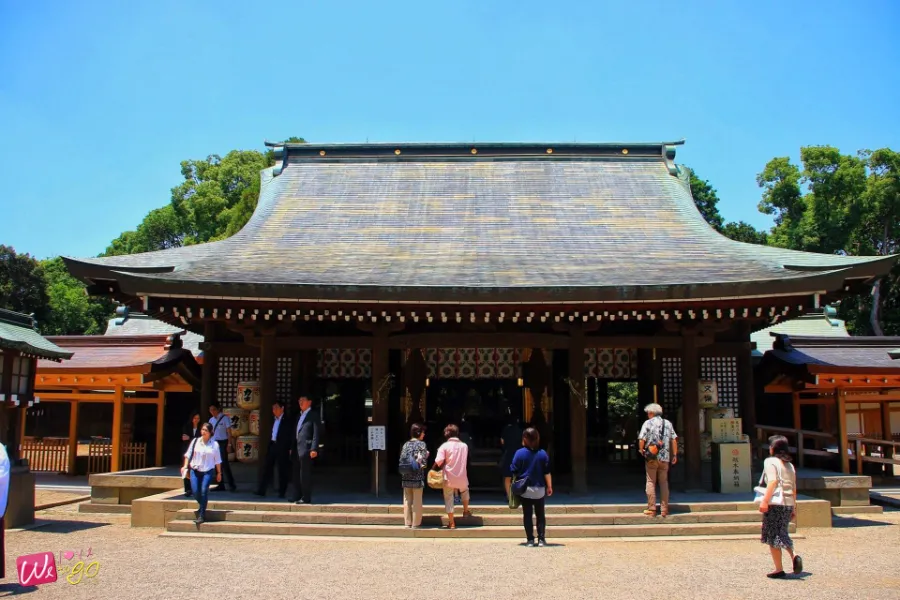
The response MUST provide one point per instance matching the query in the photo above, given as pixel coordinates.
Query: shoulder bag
(186, 472)
(435, 479)
(760, 490)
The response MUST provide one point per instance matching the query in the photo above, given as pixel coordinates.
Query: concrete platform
(838, 488)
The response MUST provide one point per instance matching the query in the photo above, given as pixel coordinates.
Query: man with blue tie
(305, 448)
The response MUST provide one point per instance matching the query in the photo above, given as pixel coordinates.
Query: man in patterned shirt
(656, 443)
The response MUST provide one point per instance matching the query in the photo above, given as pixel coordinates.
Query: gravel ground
(855, 560)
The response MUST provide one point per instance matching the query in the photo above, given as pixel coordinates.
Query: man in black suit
(279, 453)
(304, 450)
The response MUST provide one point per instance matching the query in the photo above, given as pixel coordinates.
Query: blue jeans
(200, 487)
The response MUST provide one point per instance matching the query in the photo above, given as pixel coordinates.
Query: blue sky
(99, 102)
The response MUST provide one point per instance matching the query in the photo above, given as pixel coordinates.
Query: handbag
(514, 500)
(435, 480)
(760, 491)
(186, 473)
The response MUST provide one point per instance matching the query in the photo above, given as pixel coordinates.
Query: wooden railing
(134, 456)
(798, 438)
(864, 451)
(48, 454)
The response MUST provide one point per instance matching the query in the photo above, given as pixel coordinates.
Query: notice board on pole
(377, 435)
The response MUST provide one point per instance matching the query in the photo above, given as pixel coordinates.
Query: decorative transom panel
(671, 384)
(283, 380)
(344, 363)
(722, 370)
(235, 369)
(610, 363)
(473, 363)
(232, 371)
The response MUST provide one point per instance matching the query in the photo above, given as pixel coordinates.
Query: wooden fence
(47, 454)
(134, 456)
(806, 444)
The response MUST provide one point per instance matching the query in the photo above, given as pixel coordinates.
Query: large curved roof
(478, 222)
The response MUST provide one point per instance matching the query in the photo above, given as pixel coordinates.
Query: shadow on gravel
(848, 522)
(14, 589)
(58, 526)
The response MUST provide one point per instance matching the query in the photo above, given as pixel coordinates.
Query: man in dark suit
(304, 450)
(281, 440)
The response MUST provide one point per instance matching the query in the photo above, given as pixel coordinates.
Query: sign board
(377, 435)
(726, 430)
(731, 469)
(709, 394)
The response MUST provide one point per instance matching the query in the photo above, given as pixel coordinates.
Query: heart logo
(68, 555)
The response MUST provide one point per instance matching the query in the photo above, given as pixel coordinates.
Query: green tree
(851, 206)
(22, 284)
(706, 199)
(783, 198)
(215, 200)
(744, 232)
(71, 310)
(623, 399)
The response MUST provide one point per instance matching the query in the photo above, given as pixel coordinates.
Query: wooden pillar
(380, 407)
(268, 372)
(577, 411)
(209, 372)
(118, 407)
(887, 435)
(690, 402)
(160, 425)
(841, 409)
(795, 406)
(73, 437)
(746, 391)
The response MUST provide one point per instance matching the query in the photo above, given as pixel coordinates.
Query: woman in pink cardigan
(452, 457)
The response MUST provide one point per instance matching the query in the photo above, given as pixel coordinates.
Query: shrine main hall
(478, 283)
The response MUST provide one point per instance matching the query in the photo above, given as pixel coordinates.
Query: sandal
(467, 513)
(776, 575)
(650, 513)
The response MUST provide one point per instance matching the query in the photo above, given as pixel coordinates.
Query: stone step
(119, 509)
(437, 509)
(512, 518)
(843, 511)
(493, 531)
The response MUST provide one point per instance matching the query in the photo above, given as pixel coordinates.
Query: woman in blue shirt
(533, 465)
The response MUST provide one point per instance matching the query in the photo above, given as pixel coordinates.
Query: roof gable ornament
(668, 153)
(894, 354)
(782, 342)
(280, 160)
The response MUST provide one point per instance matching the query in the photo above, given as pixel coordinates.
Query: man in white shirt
(278, 454)
(221, 424)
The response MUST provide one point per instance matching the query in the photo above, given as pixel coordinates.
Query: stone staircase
(489, 521)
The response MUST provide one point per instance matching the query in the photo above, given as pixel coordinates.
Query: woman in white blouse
(201, 460)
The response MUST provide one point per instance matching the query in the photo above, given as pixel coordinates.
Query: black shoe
(199, 521)
(776, 575)
(302, 501)
(798, 564)
(541, 543)
(530, 543)
(188, 494)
